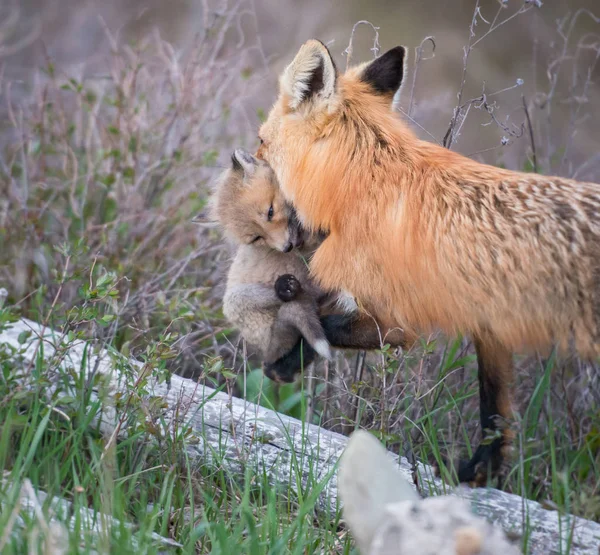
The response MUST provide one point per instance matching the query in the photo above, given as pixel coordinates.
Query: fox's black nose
(288, 247)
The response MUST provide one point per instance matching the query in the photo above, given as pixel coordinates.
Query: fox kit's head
(250, 206)
(324, 122)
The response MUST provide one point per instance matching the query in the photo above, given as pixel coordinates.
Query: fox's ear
(312, 74)
(244, 162)
(386, 73)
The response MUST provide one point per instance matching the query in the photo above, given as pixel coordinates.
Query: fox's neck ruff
(364, 160)
(358, 164)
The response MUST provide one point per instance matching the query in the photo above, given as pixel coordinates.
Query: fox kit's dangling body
(258, 281)
(269, 296)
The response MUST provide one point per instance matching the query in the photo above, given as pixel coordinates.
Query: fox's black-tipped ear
(311, 75)
(244, 162)
(386, 73)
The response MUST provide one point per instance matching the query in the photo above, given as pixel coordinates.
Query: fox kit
(269, 296)
(426, 238)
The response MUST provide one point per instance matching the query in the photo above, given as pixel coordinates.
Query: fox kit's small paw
(287, 287)
(322, 347)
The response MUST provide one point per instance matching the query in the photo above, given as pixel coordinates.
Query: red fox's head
(325, 125)
(251, 207)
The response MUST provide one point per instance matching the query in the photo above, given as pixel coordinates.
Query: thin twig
(376, 46)
(418, 58)
(418, 125)
(531, 136)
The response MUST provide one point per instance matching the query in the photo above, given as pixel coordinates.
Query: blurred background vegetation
(115, 116)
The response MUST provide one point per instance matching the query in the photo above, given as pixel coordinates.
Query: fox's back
(423, 237)
(521, 251)
(524, 252)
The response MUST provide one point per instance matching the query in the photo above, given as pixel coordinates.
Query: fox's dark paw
(289, 366)
(275, 373)
(287, 287)
(483, 469)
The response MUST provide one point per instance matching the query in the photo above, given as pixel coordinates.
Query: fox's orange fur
(427, 238)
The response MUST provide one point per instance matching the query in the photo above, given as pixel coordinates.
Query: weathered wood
(245, 434)
(61, 511)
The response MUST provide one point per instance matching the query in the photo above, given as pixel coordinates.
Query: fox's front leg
(357, 331)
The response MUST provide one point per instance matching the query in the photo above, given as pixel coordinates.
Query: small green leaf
(23, 337)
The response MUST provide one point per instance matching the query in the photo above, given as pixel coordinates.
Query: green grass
(50, 439)
(147, 482)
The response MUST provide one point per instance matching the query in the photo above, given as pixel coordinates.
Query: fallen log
(247, 435)
(88, 522)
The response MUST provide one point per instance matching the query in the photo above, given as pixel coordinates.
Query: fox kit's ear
(386, 73)
(244, 162)
(311, 75)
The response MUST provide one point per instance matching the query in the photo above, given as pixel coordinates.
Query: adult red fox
(425, 238)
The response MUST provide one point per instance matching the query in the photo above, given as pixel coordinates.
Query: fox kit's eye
(257, 238)
(270, 213)
(261, 141)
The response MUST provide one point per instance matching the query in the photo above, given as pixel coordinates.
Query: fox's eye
(257, 238)
(261, 141)
(270, 213)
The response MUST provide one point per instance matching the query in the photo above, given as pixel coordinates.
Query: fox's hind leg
(300, 311)
(495, 370)
(303, 314)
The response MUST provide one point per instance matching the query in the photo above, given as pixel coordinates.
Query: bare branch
(376, 46)
(458, 116)
(418, 58)
(531, 136)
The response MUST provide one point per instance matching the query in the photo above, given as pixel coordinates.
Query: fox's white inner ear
(244, 161)
(312, 73)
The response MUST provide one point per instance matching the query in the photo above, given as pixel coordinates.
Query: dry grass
(109, 170)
